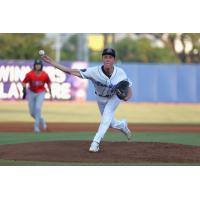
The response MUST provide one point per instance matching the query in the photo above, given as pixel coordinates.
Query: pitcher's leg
(101, 104)
(101, 107)
(122, 125)
(117, 124)
(106, 118)
(104, 125)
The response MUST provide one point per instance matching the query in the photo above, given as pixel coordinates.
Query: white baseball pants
(107, 107)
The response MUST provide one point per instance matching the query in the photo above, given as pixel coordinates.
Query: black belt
(102, 95)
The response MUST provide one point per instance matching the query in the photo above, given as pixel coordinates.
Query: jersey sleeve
(26, 79)
(86, 73)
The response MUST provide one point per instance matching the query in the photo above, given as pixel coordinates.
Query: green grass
(36, 163)
(179, 138)
(14, 138)
(88, 112)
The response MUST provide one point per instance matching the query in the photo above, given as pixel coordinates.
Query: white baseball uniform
(106, 98)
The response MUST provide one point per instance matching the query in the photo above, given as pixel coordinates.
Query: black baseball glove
(24, 93)
(121, 89)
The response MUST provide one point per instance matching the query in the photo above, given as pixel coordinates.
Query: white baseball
(41, 52)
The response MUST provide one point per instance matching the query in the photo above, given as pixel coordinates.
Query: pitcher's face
(108, 61)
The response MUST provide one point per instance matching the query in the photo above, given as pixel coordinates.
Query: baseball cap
(38, 62)
(109, 51)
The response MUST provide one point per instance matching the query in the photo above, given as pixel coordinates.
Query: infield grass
(178, 138)
(36, 163)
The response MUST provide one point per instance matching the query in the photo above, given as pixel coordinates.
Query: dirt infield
(112, 152)
(92, 127)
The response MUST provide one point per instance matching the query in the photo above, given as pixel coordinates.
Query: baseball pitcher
(111, 86)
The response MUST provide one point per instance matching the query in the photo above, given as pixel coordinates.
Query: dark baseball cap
(38, 62)
(109, 51)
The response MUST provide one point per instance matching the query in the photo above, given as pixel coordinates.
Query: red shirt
(36, 82)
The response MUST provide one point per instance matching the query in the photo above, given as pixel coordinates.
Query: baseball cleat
(125, 130)
(94, 147)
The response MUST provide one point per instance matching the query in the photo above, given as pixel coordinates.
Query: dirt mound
(112, 152)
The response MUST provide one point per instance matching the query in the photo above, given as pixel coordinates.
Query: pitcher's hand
(48, 60)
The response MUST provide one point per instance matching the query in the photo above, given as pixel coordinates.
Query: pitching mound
(112, 152)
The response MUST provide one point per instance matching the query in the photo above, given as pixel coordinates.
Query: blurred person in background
(37, 78)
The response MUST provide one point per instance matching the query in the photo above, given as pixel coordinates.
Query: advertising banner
(64, 86)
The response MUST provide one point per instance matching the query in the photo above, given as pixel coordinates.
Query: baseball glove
(121, 89)
(24, 93)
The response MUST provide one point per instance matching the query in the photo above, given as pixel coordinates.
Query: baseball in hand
(41, 52)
